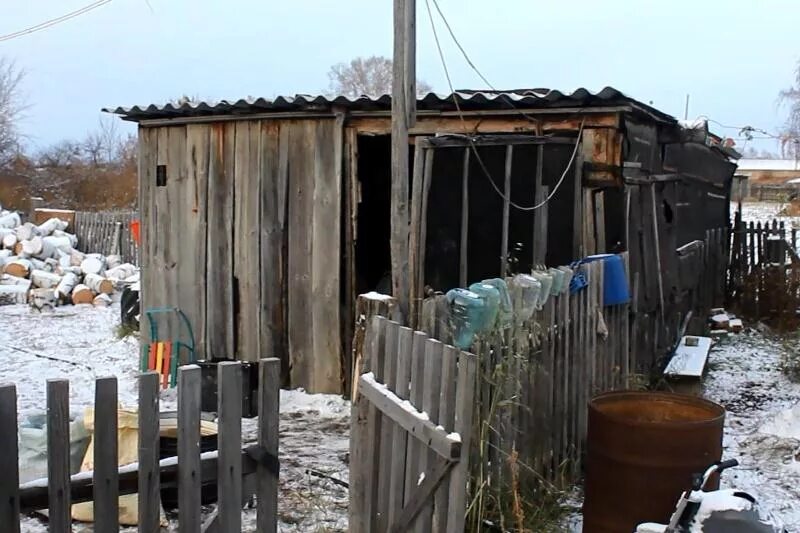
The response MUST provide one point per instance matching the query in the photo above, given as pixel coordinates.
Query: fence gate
(410, 432)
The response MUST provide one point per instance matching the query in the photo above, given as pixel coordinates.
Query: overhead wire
(472, 143)
(54, 21)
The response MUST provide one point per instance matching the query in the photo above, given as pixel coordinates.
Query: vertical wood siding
(245, 238)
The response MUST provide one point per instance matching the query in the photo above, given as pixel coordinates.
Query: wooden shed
(263, 219)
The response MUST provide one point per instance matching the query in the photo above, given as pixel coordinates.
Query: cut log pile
(40, 265)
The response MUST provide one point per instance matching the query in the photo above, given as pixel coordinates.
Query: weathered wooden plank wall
(230, 223)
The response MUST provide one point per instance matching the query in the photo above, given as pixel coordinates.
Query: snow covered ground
(765, 212)
(762, 423)
(79, 343)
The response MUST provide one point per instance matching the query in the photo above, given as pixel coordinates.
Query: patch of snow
(372, 295)
(421, 478)
(785, 424)
(745, 377)
(454, 437)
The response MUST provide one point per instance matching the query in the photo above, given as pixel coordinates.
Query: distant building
(771, 179)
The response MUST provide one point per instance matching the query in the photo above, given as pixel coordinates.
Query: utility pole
(404, 101)
(686, 109)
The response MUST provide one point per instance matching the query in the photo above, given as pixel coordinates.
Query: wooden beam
(403, 70)
(577, 209)
(427, 177)
(538, 216)
(462, 267)
(33, 494)
(460, 140)
(495, 122)
(422, 494)
(506, 210)
(657, 245)
(407, 417)
(414, 242)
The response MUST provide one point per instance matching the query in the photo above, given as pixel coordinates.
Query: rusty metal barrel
(642, 449)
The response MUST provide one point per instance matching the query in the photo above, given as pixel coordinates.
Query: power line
(469, 137)
(52, 22)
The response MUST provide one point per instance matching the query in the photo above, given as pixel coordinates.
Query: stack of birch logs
(40, 266)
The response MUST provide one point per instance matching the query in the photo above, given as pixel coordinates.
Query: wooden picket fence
(239, 473)
(534, 381)
(764, 274)
(107, 233)
(410, 433)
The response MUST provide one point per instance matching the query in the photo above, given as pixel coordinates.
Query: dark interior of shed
(372, 252)
(485, 212)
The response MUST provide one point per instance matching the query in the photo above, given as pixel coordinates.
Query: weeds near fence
(122, 331)
(508, 493)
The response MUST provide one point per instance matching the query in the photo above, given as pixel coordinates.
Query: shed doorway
(372, 224)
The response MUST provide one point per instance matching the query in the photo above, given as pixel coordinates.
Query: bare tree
(12, 106)
(371, 76)
(790, 134)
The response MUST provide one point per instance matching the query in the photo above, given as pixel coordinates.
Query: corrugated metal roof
(467, 100)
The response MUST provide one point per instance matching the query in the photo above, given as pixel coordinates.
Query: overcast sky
(732, 56)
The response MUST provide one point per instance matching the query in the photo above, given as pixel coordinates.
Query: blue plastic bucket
(615, 282)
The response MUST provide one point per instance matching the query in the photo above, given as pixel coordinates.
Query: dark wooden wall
(244, 237)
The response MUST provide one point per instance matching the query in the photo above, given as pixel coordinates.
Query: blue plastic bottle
(466, 315)
(491, 298)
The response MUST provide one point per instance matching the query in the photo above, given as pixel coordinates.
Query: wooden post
(465, 395)
(269, 398)
(9, 452)
(417, 381)
(463, 270)
(657, 246)
(388, 375)
(415, 269)
(403, 71)
(229, 441)
(430, 405)
(59, 509)
(446, 420)
(189, 449)
(363, 434)
(106, 469)
(149, 493)
(506, 211)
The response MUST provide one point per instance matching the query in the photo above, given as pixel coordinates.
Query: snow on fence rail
(239, 473)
